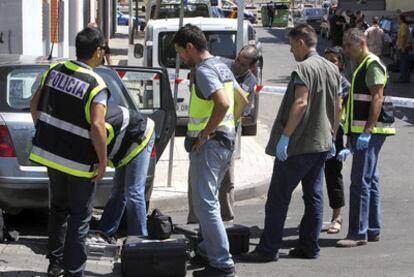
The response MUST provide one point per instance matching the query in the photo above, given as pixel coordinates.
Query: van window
(251, 33)
(173, 11)
(221, 44)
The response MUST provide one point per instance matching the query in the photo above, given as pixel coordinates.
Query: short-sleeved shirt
(375, 75)
(207, 79)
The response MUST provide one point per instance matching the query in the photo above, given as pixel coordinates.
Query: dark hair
(306, 33)
(87, 41)
(250, 52)
(338, 51)
(190, 34)
(403, 18)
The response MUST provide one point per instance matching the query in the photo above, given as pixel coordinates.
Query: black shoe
(199, 261)
(300, 254)
(258, 257)
(214, 271)
(54, 270)
(372, 238)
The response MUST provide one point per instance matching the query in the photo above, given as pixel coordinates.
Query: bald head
(250, 52)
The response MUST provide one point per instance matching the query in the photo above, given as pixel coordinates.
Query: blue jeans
(307, 168)
(364, 208)
(128, 191)
(207, 169)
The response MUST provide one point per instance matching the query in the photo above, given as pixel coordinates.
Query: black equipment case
(238, 236)
(143, 257)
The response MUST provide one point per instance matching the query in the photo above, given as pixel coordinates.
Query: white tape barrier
(401, 102)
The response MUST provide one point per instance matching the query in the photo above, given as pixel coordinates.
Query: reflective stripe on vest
(120, 137)
(136, 148)
(68, 127)
(64, 165)
(201, 111)
(355, 123)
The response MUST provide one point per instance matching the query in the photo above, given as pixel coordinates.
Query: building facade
(49, 27)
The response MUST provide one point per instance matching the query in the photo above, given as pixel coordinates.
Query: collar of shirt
(82, 64)
(310, 54)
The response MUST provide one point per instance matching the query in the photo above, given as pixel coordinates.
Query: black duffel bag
(159, 225)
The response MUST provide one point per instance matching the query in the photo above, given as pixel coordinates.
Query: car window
(144, 89)
(314, 12)
(20, 82)
(173, 11)
(250, 33)
(221, 44)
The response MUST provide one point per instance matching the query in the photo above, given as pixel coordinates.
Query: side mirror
(138, 50)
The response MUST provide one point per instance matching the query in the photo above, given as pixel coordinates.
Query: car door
(151, 93)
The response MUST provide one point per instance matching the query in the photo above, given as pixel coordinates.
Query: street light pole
(177, 72)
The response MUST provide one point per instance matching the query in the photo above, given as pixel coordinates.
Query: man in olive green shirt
(301, 139)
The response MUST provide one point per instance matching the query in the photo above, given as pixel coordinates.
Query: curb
(179, 202)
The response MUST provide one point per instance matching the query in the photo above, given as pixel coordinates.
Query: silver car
(24, 184)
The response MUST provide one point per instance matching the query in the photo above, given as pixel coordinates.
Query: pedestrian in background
(337, 24)
(368, 121)
(301, 139)
(351, 20)
(375, 37)
(216, 104)
(270, 13)
(333, 167)
(403, 44)
(68, 110)
(242, 67)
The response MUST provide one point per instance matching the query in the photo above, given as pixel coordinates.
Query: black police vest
(128, 132)
(62, 140)
(360, 100)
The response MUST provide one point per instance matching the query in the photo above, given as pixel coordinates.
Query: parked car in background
(313, 17)
(24, 184)
(123, 20)
(229, 10)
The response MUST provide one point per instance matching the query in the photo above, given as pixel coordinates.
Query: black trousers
(333, 175)
(70, 211)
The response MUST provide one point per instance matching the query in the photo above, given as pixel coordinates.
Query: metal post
(177, 71)
(240, 33)
(131, 36)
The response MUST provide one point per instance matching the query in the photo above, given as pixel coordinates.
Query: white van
(221, 33)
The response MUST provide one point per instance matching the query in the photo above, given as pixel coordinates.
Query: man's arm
(34, 102)
(98, 136)
(338, 110)
(377, 93)
(298, 109)
(240, 103)
(221, 105)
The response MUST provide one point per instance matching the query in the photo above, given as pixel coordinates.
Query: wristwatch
(202, 137)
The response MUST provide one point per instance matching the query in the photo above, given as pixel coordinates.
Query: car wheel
(249, 130)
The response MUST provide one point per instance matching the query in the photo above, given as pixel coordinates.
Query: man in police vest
(369, 120)
(131, 139)
(242, 68)
(68, 110)
(216, 104)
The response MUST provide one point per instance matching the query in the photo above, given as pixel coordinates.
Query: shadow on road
(22, 273)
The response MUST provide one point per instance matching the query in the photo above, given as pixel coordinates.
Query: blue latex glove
(331, 153)
(343, 154)
(281, 148)
(363, 141)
